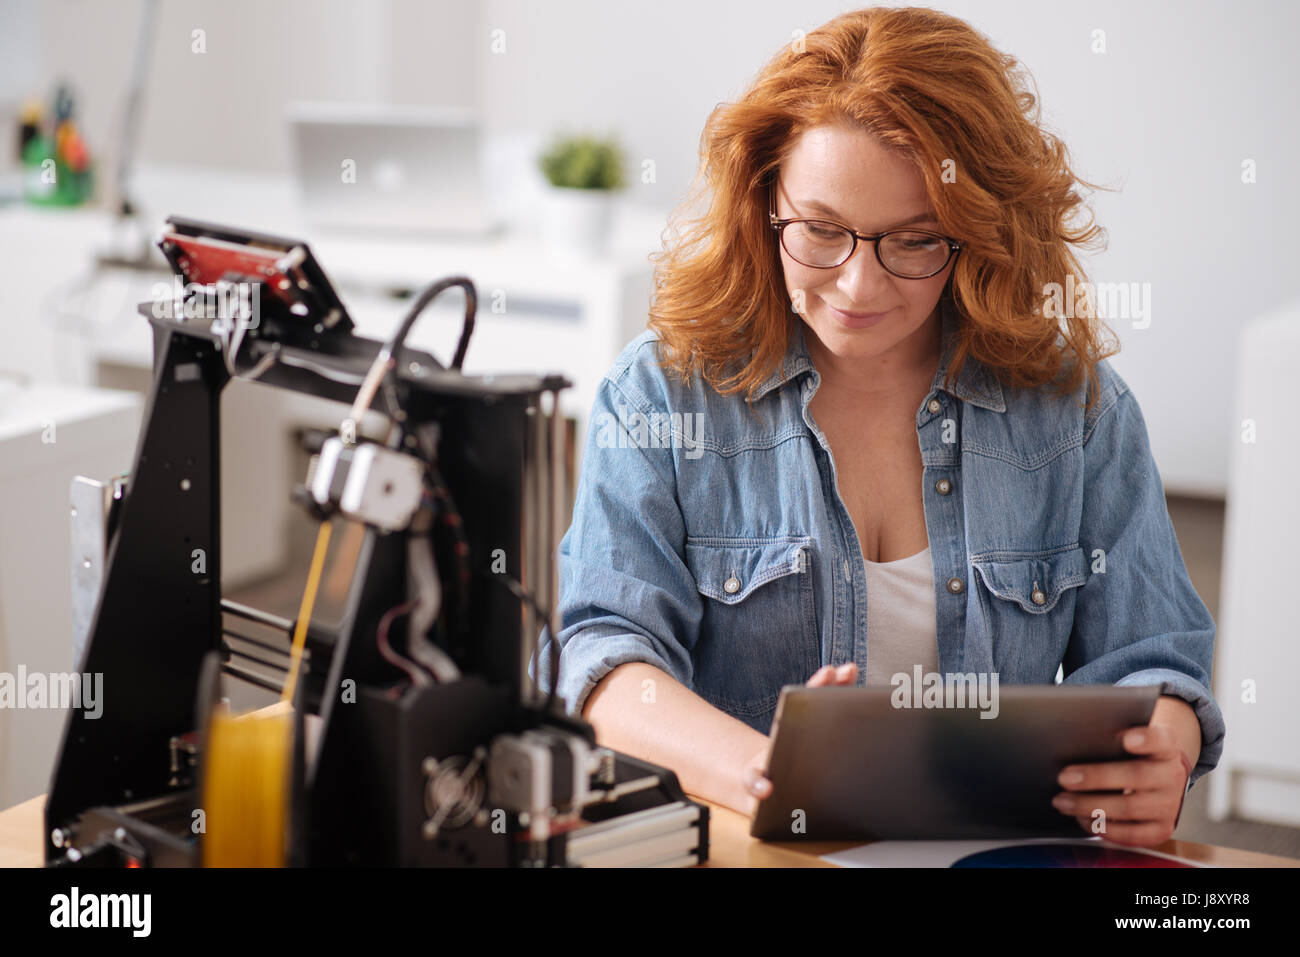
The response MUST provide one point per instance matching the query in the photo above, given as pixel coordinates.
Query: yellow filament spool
(248, 762)
(246, 788)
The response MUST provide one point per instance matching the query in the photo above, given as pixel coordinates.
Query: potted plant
(583, 173)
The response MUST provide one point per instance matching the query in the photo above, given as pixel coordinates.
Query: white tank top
(900, 617)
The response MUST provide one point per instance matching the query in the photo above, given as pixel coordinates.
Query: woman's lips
(858, 320)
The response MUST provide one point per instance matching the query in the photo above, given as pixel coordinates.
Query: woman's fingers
(1140, 806)
(756, 784)
(1156, 740)
(1141, 775)
(845, 674)
(1132, 802)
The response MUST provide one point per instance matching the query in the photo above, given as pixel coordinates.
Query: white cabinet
(1258, 647)
(49, 434)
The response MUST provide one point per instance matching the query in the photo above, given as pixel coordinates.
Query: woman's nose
(861, 279)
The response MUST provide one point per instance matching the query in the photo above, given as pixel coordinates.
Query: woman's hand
(1152, 787)
(755, 784)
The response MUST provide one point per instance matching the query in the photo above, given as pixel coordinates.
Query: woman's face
(844, 174)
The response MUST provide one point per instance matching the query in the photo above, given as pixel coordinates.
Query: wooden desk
(20, 834)
(729, 844)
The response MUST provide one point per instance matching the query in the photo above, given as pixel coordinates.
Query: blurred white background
(1183, 94)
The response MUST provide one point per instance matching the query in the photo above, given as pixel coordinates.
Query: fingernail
(1135, 738)
(1070, 777)
(1063, 802)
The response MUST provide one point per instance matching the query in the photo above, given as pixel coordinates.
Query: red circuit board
(203, 260)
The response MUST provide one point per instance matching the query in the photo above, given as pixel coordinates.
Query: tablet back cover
(847, 764)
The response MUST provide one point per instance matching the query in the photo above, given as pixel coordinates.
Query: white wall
(1184, 92)
(225, 106)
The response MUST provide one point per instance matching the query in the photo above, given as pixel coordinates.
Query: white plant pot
(577, 222)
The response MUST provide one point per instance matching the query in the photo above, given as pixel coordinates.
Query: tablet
(847, 764)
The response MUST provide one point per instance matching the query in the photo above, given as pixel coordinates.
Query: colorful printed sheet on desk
(1033, 852)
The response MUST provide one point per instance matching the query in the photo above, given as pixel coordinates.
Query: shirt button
(731, 585)
(1038, 596)
(955, 585)
(943, 486)
(935, 406)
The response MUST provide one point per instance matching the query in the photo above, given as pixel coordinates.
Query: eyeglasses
(906, 253)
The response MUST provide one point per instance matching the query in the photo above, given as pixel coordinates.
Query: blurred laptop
(417, 170)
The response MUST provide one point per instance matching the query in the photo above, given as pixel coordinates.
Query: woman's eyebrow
(925, 217)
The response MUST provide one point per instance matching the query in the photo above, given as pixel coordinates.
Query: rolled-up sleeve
(625, 592)
(1138, 620)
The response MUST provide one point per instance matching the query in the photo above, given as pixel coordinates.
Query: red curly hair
(934, 88)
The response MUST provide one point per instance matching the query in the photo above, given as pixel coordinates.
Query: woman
(860, 435)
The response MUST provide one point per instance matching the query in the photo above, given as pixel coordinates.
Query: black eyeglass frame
(954, 246)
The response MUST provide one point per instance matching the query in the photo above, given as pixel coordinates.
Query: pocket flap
(1022, 580)
(729, 569)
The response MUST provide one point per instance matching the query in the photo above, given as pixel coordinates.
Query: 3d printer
(430, 745)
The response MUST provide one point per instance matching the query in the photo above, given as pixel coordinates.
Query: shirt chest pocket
(759, 627)
(1028, 607)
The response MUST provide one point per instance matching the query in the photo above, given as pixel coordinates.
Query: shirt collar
(975, 384)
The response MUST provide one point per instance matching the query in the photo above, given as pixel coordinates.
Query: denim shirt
(711, 541)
